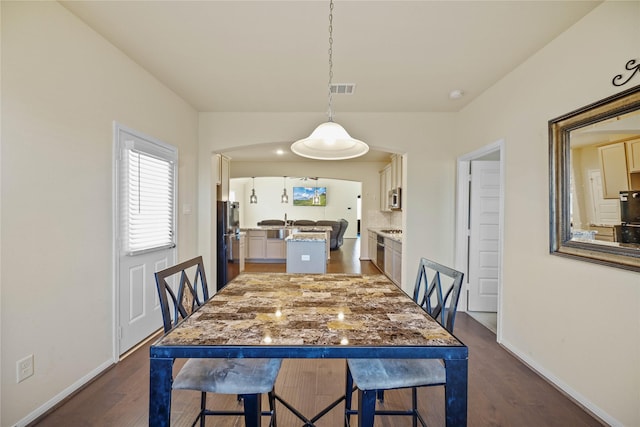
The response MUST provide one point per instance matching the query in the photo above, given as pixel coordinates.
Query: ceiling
(272, 56)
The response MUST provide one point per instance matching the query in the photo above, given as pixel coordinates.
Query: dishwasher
(380, 253)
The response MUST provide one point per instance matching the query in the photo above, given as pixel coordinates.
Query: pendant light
(330, 141)
(284, 198)
(253, 198)
(316, 197)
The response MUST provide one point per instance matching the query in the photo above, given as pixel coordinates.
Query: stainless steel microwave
(395, 198)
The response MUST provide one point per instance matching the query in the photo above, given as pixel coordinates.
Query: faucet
(285, 219)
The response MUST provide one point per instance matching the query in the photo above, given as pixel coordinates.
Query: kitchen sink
(392, 231)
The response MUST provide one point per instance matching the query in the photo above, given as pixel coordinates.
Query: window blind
(149, 199)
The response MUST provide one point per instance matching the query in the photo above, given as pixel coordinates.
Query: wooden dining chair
(241, 377)
(373, 376)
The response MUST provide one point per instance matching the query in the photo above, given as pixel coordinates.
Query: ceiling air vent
(343, 88)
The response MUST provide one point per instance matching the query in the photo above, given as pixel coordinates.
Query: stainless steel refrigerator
(227, 240)
(630, 217)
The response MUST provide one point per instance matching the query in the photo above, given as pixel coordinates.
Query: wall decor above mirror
(594, 182)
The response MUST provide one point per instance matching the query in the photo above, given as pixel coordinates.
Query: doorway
(144, 232)
(479, 231)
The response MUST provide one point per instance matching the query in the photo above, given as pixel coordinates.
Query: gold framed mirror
(594, 182)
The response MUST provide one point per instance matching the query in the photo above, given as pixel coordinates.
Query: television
(303, 196)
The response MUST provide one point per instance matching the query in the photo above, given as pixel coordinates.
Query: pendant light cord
(330, 59)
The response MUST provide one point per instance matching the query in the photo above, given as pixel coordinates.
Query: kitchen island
(266, 244)
(307, 252)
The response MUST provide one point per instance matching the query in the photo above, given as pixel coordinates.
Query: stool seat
(388, 374)
(228, 376)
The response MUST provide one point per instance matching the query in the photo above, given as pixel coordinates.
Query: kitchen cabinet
(388, 258)
(223, 169)
(633, 155)
(396, 171)
(390, 178)
(306, 256)
(633, 163)
(603, 233)
(266, 245)
(276, 249)
(372, 245)
(385, 186)
(613, 165)
(393, 260)
(242, 250)
(257, 244)
(396, 274)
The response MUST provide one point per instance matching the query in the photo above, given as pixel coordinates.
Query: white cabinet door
(397, 263)
(484, 236)
(276, 249)
(257, 244)
(388, 257)
(385, 186)
(613, 163)
(373, 243)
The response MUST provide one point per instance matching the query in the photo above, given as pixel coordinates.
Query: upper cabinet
(620, 166)
(396, 171)
(633, 163)
(613, 164)
(633, 155)
(390, 179)
(223, 169)
(385, 186)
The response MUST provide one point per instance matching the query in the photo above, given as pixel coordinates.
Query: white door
(484, 236)
(605, 211)
(145, 231)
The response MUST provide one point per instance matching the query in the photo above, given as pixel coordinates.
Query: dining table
(289, 315)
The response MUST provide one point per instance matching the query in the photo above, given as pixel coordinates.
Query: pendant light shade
(284, 198)
(330, 141)
(253, 198)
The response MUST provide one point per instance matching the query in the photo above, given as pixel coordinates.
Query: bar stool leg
(252, 409)
(366, 407)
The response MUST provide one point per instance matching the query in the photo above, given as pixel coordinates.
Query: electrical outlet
(24, 368)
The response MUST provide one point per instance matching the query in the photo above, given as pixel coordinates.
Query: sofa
(337, 228)
(271, 222)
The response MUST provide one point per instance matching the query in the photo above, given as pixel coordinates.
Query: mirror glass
(595, 182)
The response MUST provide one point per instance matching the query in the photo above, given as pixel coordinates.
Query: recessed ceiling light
(279, 151)
(456, 94)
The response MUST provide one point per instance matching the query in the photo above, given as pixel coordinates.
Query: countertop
(310, 309)
(307, 237)
(293, 228)
(393, 236)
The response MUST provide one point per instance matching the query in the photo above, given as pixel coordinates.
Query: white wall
(428, 194)
(576, 322)
(62, 88)
(341, 201)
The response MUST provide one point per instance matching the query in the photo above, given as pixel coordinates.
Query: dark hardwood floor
(502, 391)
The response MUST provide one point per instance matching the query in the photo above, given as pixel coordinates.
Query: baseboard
(562, 387)
(64, 394)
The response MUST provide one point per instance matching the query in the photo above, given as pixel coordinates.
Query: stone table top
(259, 309)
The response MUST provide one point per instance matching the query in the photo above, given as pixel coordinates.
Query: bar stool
(246, 378)
(373, 376)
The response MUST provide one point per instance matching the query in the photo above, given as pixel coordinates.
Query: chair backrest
(189, 294)
(304, 222)
(428, 291)
(271, 222)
